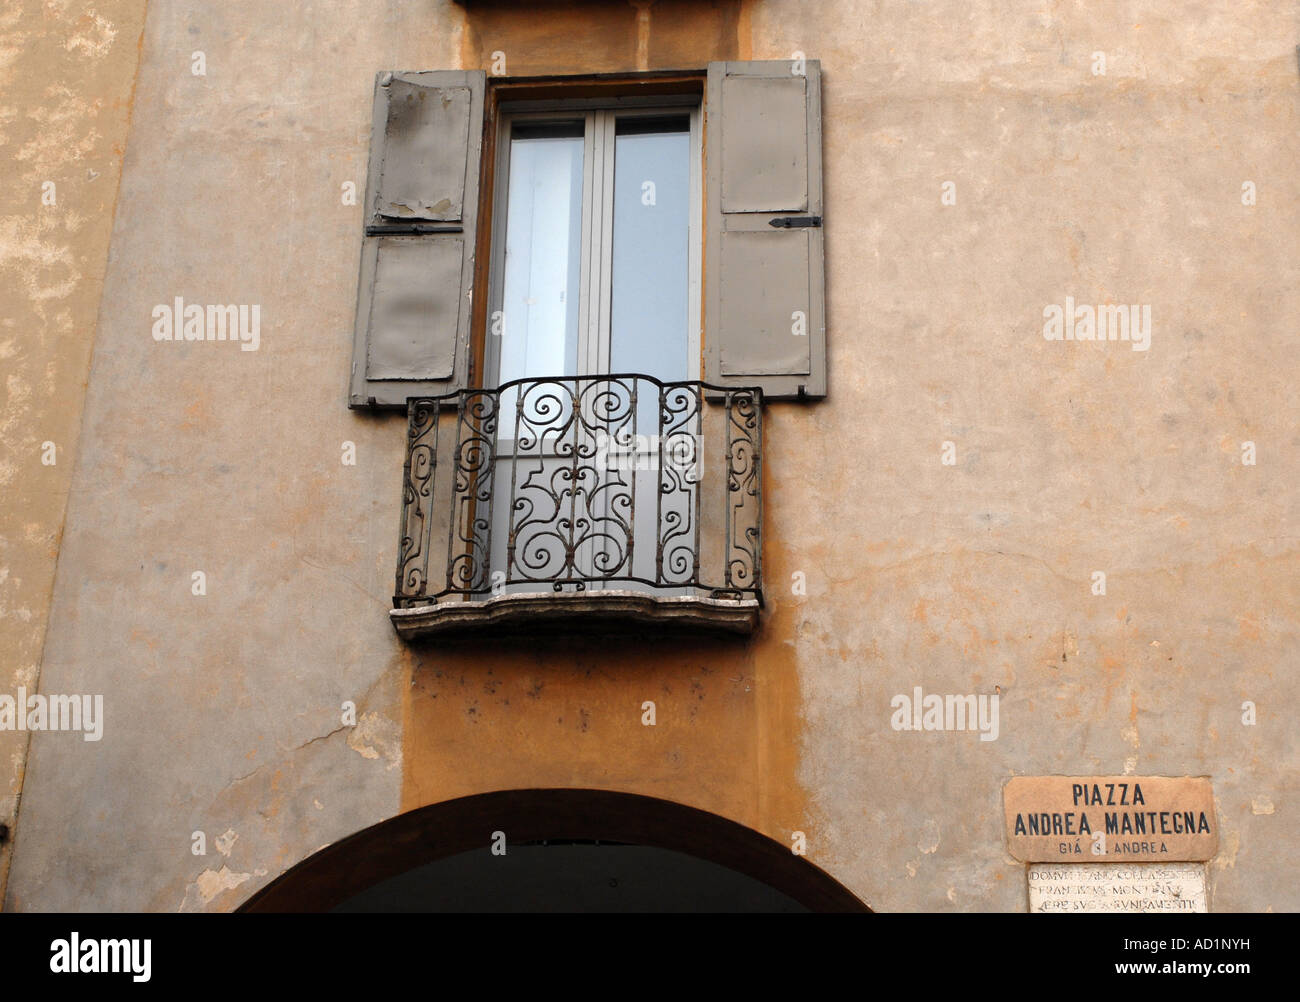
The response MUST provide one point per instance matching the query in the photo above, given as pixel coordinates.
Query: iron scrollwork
(581, 482)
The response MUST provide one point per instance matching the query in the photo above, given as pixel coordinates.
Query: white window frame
(600, 117)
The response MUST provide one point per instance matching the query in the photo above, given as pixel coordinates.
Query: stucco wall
(222, 710)
(1071, 457)
(66, 73)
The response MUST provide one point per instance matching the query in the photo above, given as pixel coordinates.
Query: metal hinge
(787, 222)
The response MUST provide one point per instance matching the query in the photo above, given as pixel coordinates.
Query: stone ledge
(583, 609)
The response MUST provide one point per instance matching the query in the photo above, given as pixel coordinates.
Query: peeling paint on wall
(66, 75)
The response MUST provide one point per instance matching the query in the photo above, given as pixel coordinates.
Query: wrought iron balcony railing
(628, 492)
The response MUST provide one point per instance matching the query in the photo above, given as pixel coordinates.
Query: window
(597, 248)
(584, 350)
(420, 320)
(595, 272)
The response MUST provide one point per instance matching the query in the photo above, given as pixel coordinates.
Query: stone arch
(684, 859)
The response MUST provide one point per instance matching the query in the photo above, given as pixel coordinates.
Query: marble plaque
(1117, 887)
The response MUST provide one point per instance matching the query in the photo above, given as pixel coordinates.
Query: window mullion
(589, 310)
(596, 298)
(695, 243)
(605, 222)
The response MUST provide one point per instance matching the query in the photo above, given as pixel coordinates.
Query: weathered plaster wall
(66, 72)
(223, 710)
(484, 715)
(578, 36)
(1071, 457)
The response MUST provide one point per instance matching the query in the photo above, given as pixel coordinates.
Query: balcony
(579, 502)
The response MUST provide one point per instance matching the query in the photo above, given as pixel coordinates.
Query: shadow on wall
(599, 36)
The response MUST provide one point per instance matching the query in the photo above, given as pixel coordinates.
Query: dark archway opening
(566, 851)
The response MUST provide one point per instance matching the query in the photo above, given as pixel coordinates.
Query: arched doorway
(566, 850)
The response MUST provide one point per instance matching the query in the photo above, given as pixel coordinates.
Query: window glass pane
(539, 338)
(652, 195)
(543, 242)
(649, 312)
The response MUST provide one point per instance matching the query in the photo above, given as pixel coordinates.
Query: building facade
(992, 478)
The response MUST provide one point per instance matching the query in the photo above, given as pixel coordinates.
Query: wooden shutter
(417, 259)
(764, 273)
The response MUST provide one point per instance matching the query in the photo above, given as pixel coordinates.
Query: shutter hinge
(410, 229)
(786, 222)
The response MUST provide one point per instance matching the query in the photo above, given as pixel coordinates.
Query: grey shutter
(765, 165)
(417, 260)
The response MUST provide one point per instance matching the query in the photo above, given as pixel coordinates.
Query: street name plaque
(1098, 819)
